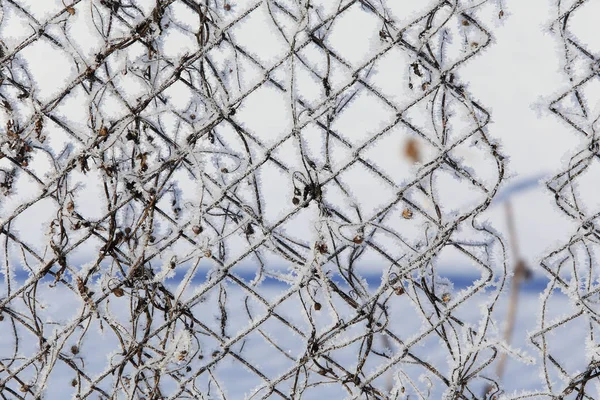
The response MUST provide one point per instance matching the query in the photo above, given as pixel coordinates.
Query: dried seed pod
(399, 291)
(296, 201)
(207, 254)
(74, 349)
(103, 131)
(224, 170)
(118, 292)
(71, 10)
(358, 239)
(411, 150)
(317, 306)
(407, 213)
(70, 206)
(24, 388)
(74, 382)
(501, 14)
(465, 22)
(416, 69)
(446, 297)
(321, 247)
(39, 125)
(127, 230)
(227, 7)
(197, 229)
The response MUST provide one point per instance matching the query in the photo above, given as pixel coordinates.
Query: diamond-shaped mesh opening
(51, 65)
(268, 124)
(579, 106)
(400, 154)
(359, 182)
(362, 116)
(354, 34)
(572, 187)
(262, 44)
(581, 23)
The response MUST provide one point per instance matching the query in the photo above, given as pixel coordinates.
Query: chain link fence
(572, 266)
(196, 196)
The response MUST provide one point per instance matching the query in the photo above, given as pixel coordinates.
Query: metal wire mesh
(180, 141)
(572, 267)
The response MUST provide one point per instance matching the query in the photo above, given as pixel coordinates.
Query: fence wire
(174, 139)
(572, 266)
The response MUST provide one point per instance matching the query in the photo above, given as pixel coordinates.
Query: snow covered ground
(98, 348)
